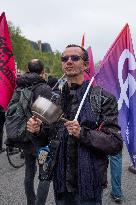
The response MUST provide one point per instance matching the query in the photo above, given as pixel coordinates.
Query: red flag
(7, 64)
(83, 41)
(117, 74)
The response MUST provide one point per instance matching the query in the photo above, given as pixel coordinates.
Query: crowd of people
(80, 150)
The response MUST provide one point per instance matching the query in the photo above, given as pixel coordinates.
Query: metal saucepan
(47, 111)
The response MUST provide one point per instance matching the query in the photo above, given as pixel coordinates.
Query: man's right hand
(34, 124)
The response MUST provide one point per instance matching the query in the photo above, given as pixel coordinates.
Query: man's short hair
(35, 66)
(85, 54)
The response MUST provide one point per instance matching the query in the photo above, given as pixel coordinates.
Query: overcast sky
(62, 22)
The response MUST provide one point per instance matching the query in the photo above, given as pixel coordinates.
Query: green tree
(24, 52)
(57, 65)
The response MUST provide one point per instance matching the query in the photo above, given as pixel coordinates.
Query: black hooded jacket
(26, 80)
(102, 139)
(29, 79)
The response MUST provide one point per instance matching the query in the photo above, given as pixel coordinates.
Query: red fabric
(7, 64)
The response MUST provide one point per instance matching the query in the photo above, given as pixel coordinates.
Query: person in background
(81, 154)
(34, 76)
(116, 174)
(2, 120)
(52, 81)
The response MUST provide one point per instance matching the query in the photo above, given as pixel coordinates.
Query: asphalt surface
(12, 189)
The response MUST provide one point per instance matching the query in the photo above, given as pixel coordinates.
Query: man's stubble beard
(72, 75)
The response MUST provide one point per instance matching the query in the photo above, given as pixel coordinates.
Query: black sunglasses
(74, 58)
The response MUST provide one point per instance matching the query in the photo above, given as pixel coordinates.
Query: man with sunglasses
(80, 171)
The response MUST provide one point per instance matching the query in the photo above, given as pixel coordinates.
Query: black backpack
(19, 111)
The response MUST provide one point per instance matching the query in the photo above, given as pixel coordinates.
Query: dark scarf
(89, 186)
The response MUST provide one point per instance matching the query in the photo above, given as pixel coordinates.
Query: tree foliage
(24, 52)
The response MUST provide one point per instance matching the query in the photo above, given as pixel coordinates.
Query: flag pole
(83, 99)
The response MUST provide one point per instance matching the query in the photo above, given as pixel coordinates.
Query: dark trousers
(73, 199)
(1, 136)
(43, 186)
(2, 120)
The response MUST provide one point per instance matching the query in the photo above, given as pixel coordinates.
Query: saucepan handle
(63, 119)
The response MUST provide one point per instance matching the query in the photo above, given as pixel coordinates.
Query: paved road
(12, 190)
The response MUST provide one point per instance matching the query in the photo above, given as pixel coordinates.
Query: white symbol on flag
(130, 82)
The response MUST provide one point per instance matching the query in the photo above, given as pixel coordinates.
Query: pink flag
(7, 64)
(89, 73)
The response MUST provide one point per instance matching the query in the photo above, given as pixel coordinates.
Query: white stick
(58, 82)
(83, 99)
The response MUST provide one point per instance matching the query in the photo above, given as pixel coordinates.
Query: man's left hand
(73, 128)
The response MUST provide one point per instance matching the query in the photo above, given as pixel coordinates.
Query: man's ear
(43, 74)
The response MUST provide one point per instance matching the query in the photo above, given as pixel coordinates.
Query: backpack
(19, 111)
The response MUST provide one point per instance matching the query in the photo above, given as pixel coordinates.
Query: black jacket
(29, 79)
(26, 80)
(2, 118)
(104, 139)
